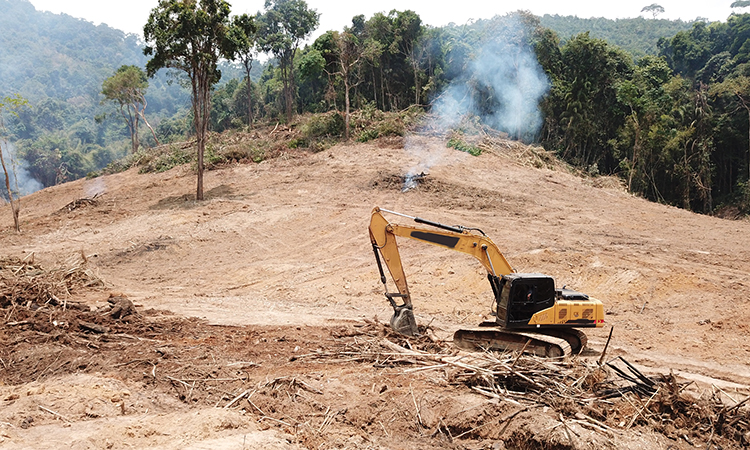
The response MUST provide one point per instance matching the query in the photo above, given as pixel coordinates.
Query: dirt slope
(283, 244)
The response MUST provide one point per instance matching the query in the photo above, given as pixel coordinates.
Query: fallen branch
(58, 415)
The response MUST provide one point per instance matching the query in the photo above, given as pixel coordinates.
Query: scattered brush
(370, 123)
(603, 398)
(25, 283)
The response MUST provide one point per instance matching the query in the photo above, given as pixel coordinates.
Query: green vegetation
(127, 88)
(9, 106)
(674, 126)
(456, 141)
(663, 104)
(191, 37)
(637, 36)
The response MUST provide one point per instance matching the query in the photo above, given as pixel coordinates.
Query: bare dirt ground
(247, 301)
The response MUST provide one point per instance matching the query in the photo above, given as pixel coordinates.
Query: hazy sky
(131, 15)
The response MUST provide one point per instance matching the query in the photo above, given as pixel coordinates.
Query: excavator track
(500, 339)
(576, 338)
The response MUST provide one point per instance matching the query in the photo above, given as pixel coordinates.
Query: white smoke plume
(502, 87)
(21, 181)
(95, 187)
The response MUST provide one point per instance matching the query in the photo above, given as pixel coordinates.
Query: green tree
(191, 36)
(584, 98)
(127, 88)
(244, 35)
(737, 88)
(348, 53)
(654, 9)
(10, 104)
(285, 24)
(392, 40)
(643, 94)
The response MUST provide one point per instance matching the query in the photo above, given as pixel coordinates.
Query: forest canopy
(663, 104)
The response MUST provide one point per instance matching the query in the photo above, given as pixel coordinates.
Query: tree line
(673, 124)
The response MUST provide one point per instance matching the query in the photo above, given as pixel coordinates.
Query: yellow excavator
(531, 315)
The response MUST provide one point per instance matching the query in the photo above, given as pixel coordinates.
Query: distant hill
(58, 63)
(637, 35)
(45, 55)
(55, 55)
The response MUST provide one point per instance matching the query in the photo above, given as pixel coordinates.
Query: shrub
(165, 158)
(324, 125)
(461, 145)
(368, 135)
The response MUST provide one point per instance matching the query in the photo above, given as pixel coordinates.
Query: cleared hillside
(280, 250)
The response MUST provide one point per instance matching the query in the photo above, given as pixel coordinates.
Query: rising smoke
(21, 181)
(501, 87)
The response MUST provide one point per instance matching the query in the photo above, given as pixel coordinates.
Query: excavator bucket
(403, 321)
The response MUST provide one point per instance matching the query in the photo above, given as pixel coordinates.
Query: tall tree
(246, 55)
(191, 36)
(349, 53)
(127, 88)
(285, 24)
(738, 88)
(587, 103)
(10, 104)
(644, 98)
(654, 9)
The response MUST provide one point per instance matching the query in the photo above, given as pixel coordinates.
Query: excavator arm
(471, 241)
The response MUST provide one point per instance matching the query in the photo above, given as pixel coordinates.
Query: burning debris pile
(403, 183)
(411, 181)
(79, 203)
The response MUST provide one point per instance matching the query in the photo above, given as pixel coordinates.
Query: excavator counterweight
(531, 314)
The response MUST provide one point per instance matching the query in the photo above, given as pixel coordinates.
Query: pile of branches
(664, 404)
(526, 155)
(80, 203)
(602, 397)
(28, 284)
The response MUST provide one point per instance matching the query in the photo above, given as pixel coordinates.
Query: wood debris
(80, 203)
(25, 283)
(602, 398)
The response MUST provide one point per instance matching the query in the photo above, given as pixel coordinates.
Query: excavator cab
(521, 295)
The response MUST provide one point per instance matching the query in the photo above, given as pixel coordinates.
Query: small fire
(412, 180)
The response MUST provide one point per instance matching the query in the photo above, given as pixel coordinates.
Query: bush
(324, 125)
(368, 135)
(165, 158)
(461, 145)
(297, 143)
(370, 123)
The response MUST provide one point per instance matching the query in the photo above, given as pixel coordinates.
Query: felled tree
(191, 36)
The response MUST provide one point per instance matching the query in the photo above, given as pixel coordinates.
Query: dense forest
(59, 63)
(638, 36)
(663, 104)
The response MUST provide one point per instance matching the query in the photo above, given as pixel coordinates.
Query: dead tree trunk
(15, 205)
